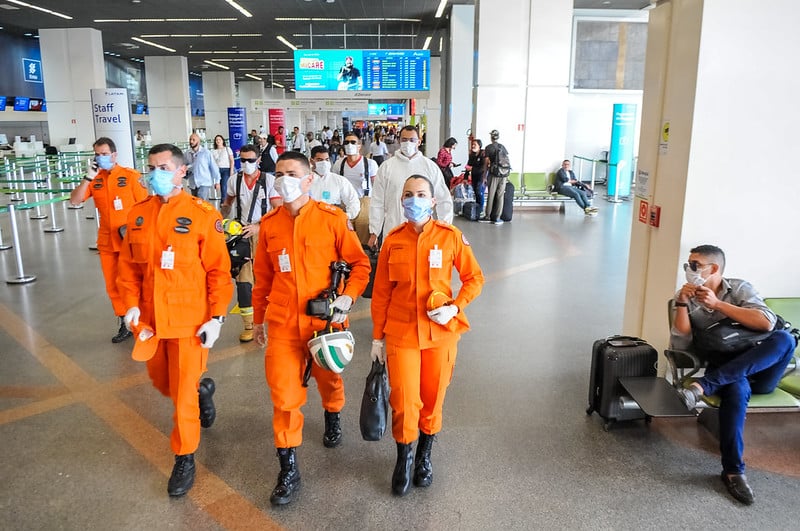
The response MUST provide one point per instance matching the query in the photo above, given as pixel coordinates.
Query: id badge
(326, 195)
(118, 204)
(284, 263)
(435, 258)
(168, 259)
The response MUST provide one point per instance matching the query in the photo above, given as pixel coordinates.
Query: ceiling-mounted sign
(32, 70)
(263, 105)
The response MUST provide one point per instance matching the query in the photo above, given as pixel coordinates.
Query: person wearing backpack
(499, 169)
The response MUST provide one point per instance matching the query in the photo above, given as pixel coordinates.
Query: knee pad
(244, 293)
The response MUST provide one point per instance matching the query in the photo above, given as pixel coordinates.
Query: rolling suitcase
(471, 211)
(508, 203)
(373, 262)
(612, 358)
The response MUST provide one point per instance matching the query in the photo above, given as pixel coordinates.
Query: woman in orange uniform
(417, 323)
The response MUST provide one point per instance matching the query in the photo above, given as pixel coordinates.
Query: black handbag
(728, 337)
(375, 403)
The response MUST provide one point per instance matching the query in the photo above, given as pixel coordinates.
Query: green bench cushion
(778, 398)
(791, 383)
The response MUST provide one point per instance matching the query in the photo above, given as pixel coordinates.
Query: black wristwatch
(681, 305)
(219, 318)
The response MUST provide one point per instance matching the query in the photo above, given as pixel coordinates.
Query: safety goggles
(694, 265)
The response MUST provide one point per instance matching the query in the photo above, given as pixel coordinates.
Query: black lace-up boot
(423, 470)
(123, 332)
(333, 431)
(182, 477)
(401, 479)
(288, 478)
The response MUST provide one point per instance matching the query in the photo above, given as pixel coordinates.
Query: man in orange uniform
(115, 190)
(175, 281)
(296, 245)
(417, 324)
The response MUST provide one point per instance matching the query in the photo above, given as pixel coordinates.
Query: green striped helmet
(332, 350)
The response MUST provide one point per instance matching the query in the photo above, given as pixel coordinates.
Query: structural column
(168, 98)
(218, 95)
(718, 130)
(72, 60)
(522, 78)
(249, 91)
(461, 55)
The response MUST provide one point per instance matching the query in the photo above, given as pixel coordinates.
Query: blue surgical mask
(417, 208)
(161, 182)
(104, 162)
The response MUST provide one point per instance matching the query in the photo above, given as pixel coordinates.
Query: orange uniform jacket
(319, 235)
(404, 282)
(122, 183)
(175, 302)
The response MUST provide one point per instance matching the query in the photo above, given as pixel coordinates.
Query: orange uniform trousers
(284, 365)
(418, 380)
(175, 371)
(108, 262)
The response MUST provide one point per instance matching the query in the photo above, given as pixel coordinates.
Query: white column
(218, 95)
(249, 91)
(522, 73)
(432, 110)
(727, 130)
(72, 62)
(461, 53)
(168, 98)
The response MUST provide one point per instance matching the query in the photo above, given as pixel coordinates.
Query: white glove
(211, 330)
(91, 169)
(341, 307)
(132, 317)
(443, 314)
(378, 352)
(260, 334)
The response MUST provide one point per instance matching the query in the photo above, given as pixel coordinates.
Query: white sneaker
(498, 222)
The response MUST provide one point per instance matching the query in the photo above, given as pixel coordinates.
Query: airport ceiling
(216, 31)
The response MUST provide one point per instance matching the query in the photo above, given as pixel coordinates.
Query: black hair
(105, 141)
(319, 149)
(295, 155)
(177, 154)
(478, 141)
(352, 133)
(713, 252)
(418, 176)
(450, 142)
(223, 140)
(250, 148)
(410, 128)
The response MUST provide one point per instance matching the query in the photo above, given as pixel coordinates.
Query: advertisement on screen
(2, 103)
(361, 73)
(21, 103)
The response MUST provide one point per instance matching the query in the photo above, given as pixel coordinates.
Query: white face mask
(409, 149)
(322, 167)
(695, 278)
(351, 149)
(288, 187)
(249, 167)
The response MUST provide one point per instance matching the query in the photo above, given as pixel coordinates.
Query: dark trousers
(757, 370)
(478, 185)
(495, 197)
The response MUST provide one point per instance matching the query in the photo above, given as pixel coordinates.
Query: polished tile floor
(84, 436)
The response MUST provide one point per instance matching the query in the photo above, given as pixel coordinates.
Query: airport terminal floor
(85, 437)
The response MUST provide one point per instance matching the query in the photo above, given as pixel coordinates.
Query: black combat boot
(208, 412)
(288, 478)
(123, 332)
(401, 479)
(423, 470)
(333, 431)
(182, 477)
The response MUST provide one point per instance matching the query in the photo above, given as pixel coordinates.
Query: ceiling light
(427, 42)
(137, 39)
(440, 9)
(37, 8)
(100, 20)
(287, 43)
(239, 8)
(277, 85)
(251, 76)
(212, 63)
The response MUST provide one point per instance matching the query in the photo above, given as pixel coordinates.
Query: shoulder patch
(464, 239)
(218, 225)
(199, 203)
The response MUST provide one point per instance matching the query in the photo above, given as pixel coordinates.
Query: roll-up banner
(111, 116)
(237, 130)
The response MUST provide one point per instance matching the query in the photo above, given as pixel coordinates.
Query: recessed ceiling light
(239, 8)
(287, 43)
(212, 63)
(37, 8)
(137, 39)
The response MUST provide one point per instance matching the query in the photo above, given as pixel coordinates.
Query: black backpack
(501, 165)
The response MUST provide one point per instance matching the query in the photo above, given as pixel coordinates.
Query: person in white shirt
(298, 140)
(378, 149)
(360, 171)
(223, 156)
(330, 187)
(249, 196)
(311, 143)
(386, 209)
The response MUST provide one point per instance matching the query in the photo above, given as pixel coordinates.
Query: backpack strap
(366, 172)
(238, 195)
(260, 182)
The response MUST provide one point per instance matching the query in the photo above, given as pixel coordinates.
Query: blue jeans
(757, 370)
(578, 195)
(224, 174)
(479, 185)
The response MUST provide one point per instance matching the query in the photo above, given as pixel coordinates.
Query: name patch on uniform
(181, 229)
(464, 239)
(218, 226)
(122, 181)
(139, 221)
(184, 221)
(97, 186)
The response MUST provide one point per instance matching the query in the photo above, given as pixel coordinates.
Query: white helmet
(332, 350)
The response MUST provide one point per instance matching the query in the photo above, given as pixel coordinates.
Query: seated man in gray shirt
(706, 298)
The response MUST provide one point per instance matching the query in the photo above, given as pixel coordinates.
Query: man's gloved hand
(209, 333)
(260, 334)
(443, 314)
(131, 318)
(341, 307)
(378, 352)
(91, 169)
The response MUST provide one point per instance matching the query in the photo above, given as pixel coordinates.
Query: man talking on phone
(115, 189)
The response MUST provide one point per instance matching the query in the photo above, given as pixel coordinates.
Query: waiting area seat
(535, 189)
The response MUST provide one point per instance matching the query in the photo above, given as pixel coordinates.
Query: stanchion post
(37, 198)
(16, 185)
(53, 227)
(3, 246)
(21, 277)
(97, 218)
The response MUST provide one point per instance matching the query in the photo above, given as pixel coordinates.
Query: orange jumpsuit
(176, 302)
(119, 183)
(420, 354)
(319, 235)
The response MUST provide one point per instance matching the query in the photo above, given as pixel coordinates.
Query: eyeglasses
(694, 265)
(350, 142)
(248, 160)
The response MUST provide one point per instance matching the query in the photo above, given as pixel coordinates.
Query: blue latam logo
(32, 70)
